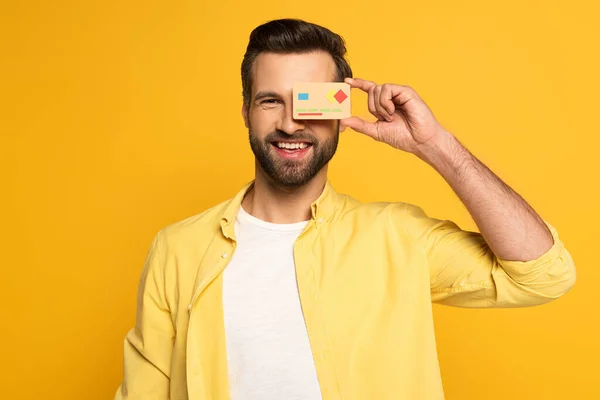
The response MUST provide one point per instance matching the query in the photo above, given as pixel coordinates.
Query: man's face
(291, 152)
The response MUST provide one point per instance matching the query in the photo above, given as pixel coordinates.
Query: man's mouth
(292, 145)
(292, 149)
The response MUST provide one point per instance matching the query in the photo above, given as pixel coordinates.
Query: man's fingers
(361, 126)
(403, 94)
(385, 98)
(380, 97)
(372, 99)
(380, 105)
(361, 84)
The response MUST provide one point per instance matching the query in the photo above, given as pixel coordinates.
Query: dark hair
(287, 36)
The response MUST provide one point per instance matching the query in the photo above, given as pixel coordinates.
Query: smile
(292, 146)
(289, 150)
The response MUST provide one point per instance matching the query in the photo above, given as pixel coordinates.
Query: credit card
(321, 100)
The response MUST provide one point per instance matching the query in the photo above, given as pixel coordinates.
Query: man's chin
(288, 173)
(291, 181)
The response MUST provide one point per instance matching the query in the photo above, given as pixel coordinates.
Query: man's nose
(290, 125)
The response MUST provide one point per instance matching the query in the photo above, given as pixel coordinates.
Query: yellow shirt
(367, 276)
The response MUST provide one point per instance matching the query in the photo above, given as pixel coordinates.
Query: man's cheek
(264, 124)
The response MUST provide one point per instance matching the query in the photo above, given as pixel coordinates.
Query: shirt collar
(322, 209)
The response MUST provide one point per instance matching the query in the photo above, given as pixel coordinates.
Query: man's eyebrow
(264, 94)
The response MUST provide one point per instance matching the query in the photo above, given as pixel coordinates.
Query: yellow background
(118, 118)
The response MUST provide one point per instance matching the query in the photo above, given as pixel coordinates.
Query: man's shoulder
(197, 226)
(390, 209)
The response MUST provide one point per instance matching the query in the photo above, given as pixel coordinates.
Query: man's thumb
(359, 125)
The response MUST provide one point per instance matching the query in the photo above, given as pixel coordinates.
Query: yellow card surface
(321, 100)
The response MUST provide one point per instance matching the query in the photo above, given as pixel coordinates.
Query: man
(290, 290)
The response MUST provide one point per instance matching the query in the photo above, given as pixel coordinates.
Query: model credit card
(321, 100)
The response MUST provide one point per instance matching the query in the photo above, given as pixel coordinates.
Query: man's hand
(509, 225)
(404, 121)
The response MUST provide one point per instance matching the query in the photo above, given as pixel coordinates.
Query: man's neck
(282, 205)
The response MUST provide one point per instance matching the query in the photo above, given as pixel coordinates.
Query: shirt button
(189, 307)
(224, 255)
(320, 220)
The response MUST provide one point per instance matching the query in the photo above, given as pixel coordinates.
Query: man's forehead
(273, 71)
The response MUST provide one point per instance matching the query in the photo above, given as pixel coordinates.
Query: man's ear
(245, 115)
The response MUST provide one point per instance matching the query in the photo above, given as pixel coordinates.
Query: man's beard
(293, 173)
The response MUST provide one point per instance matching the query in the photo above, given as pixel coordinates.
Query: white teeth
(292, 146)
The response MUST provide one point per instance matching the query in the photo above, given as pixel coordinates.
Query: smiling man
(291, 290)
(288, 152)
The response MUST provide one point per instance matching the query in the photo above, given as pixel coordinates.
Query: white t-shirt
(268, 350)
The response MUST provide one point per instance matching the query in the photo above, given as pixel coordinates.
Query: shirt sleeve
(464, 272)
(148, 345)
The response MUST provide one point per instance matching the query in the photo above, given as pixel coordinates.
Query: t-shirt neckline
(245, 217)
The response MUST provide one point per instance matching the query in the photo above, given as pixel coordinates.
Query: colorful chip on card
(321, 100)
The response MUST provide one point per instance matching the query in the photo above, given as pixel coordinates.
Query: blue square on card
(302, 96)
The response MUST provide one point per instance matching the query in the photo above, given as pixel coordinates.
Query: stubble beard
(292, 173)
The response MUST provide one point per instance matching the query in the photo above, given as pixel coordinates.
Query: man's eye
(269, 101)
